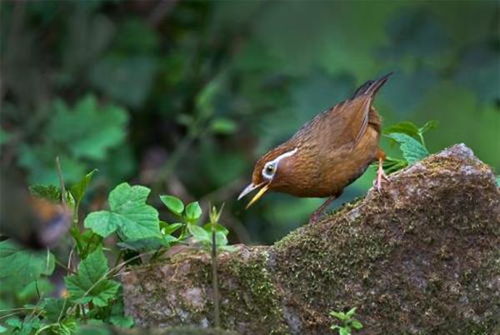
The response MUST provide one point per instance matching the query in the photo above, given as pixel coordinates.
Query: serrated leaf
(90, 283)
(19, 266)
(91, 240)
(129, 215)
(412, 150)
(41, 286)
(88, 130)
(39, 159)
(48, 192)
(55, 308)
(193, 211)
(78, 190)
(174, 204)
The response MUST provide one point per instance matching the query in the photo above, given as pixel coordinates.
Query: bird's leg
(316, 215)
(380, 171)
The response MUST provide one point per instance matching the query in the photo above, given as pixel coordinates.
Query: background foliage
(184, 96)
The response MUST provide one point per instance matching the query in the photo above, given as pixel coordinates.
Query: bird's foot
(381, 177)
(316, 216)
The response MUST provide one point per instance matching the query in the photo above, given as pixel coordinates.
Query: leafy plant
(410, 139)
(82, 134)
(189, 216)
(91, 294)
(348, 324)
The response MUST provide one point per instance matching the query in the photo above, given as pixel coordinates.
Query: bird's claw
(381, 176)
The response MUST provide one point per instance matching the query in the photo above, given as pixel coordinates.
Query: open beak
(257, 196)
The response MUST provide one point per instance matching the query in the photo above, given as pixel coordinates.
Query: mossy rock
(419, 257)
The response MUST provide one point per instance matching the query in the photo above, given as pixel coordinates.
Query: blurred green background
(184, 96)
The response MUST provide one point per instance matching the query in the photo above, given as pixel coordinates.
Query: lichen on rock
(419, 257)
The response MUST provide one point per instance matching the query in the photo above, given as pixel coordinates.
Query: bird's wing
(341, 126)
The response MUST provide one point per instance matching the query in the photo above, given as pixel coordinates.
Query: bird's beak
(256, 197)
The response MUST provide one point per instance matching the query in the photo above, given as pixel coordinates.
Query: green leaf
(27, 326)
(405, 127)
(351, 312)
(55, 308)
(498, 181)
(356, 324)
(220, 239)
(432, 124)
(93, 330)
(39, 159)
(19, 266)
(122, 321)
(344, 331)
(193, 211)
(146, 244)
(35, 289)
(174, 204)
(339, 315)
(200, 234)
(129, 214)
(223, 126)
(218, 228)
(2, 329)
(48, 192)
(78, 190)
(394, 164)
(168, 229)
(413, 151)
(89, 130)
(90, 283)
(91, 241)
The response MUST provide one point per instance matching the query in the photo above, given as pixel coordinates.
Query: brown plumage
(326, 154)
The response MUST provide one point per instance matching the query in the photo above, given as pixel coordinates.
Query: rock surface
(420, 257)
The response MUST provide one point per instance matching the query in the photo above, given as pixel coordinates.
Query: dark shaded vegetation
(184, 96)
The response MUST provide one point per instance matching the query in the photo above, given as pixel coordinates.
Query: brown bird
(326, 154)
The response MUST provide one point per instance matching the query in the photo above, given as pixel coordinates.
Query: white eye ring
(269, 170)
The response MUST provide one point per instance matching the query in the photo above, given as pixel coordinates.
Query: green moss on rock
(420, 257)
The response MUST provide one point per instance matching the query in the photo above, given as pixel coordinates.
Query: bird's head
(270, 172)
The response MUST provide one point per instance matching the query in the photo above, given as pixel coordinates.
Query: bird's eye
(268, 171)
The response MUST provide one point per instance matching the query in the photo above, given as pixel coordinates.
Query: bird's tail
(371, 87)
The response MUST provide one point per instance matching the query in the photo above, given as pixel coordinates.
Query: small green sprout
(348, 322)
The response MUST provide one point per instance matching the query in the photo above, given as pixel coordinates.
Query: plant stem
(215, 281)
